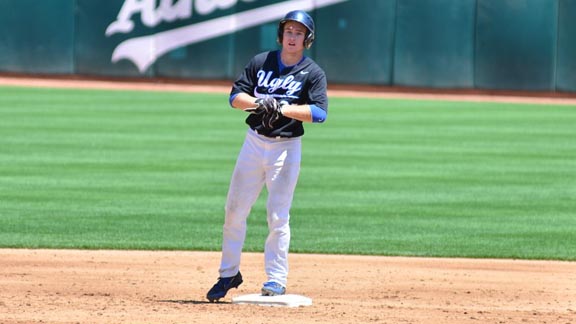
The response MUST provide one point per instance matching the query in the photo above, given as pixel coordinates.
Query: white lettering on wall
(143, 51)
(167, 11)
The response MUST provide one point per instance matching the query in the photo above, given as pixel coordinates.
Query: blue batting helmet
(303, 18)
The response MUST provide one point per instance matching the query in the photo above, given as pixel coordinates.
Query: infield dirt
(73, 286)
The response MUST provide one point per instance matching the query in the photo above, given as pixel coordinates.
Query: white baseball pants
(274, 162)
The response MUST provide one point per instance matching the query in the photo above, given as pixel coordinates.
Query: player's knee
(279, 222)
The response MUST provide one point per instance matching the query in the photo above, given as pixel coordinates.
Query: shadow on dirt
(191, 302)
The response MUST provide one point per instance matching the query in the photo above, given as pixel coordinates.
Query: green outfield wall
(453, 44)
(37, 36)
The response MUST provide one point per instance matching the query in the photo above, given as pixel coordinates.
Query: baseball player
(280, 90)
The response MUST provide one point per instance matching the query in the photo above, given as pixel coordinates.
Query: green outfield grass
(150, 170)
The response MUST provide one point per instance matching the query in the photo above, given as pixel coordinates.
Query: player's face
(293, 37)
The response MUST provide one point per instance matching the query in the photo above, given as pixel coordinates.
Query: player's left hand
(272, 112)
(269, 108)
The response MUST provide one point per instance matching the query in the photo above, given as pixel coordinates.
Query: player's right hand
(259, 109)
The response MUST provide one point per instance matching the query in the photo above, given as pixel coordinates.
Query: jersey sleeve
(317, 93)
(246, 81)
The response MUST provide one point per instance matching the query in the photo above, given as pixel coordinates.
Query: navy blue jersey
(300, 84)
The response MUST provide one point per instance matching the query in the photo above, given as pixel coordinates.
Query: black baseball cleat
(222, 286)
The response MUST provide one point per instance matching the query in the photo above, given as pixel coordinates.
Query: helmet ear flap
(280, 32)
(309, 40)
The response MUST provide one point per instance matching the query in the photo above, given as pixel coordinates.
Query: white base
(282, 300)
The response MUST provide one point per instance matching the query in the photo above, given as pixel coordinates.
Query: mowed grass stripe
(140, 170)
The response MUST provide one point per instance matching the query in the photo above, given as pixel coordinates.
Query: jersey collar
(281, 65)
